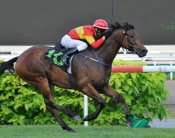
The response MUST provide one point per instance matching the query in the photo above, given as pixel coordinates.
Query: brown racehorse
(88, 76)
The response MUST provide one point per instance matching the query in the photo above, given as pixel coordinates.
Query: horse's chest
(96, 75)
(99, 78)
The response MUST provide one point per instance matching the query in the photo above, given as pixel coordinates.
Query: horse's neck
(108, 50)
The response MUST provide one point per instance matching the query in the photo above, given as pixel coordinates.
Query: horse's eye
(131, 39)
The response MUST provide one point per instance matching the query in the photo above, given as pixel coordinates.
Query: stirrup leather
(64, 58)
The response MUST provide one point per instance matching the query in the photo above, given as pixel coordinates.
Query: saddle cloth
(53, 55)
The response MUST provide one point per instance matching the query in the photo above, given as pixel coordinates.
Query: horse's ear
(115, 25)
(127, 26)
(131, 26)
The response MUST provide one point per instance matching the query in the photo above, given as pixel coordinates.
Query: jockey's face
(99, 31)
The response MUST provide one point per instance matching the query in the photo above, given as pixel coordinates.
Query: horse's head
(128, 39)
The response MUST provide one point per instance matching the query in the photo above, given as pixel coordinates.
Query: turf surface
(54, 131)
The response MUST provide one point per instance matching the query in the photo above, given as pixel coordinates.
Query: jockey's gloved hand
(112, 26)
(107, 32)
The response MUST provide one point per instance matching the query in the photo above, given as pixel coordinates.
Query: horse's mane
(126, 26)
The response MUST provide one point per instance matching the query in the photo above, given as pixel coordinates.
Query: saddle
(53, 55)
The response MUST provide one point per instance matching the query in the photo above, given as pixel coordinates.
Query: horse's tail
(8, 65)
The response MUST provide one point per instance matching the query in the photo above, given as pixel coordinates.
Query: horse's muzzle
(142, 52)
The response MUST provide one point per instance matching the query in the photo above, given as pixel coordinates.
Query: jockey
(92, 34)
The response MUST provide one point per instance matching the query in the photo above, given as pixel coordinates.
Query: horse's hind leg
(43, 85)
(58, 118)
(65, 110)
(109, 91)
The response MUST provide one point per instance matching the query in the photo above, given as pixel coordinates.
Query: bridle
(131, 45)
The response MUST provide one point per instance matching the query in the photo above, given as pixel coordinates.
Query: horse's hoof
(129, 124)
(69, 129)
(86, 118)
(77, 117)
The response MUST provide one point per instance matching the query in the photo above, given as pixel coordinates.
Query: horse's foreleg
(109, 91)
(90, 91)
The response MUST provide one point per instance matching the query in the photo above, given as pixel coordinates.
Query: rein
(96, 60)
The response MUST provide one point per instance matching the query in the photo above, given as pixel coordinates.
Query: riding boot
(68, 54)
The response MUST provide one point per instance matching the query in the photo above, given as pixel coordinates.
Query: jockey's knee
(65, 41)
(82, 47)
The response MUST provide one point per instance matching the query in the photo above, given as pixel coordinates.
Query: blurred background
(28, 22)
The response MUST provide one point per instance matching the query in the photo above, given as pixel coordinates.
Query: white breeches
(68, 42)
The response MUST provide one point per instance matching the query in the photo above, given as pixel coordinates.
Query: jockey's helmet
(100, 23)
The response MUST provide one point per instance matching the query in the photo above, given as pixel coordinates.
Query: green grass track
(54, 131)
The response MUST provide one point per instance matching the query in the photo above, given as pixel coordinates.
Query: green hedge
(143, 92)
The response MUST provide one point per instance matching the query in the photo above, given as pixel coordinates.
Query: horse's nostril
(142, 52)
(145, 50)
